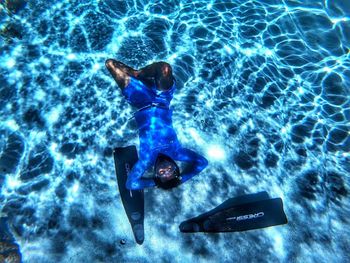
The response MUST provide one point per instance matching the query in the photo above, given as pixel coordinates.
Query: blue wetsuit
(156, 133)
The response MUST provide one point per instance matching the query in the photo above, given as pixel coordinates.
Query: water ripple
(263, 92)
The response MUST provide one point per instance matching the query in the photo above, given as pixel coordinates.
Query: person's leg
(120, 72)
(159, 73)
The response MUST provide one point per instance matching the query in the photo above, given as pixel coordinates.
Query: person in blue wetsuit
(150, 90)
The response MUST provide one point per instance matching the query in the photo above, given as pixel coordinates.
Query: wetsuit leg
(158, 73)
(120, 72)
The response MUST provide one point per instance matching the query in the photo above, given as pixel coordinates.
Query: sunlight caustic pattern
(263, 93)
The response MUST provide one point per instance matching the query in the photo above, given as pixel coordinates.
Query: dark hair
(175, 181)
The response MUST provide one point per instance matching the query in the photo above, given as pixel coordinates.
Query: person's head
(166, 172)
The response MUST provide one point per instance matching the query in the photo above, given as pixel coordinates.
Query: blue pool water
(263, 93)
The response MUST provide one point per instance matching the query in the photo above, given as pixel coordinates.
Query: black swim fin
(239, 214)
(133, 200)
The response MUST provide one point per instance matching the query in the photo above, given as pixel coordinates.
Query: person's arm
(196, 163)
(134, 181)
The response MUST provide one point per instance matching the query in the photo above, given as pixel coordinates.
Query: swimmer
(150, 90)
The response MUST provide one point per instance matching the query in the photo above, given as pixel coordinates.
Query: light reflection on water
(262, 85)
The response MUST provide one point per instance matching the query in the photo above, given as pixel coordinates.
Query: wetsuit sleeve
(196, 163)
(134, 181)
